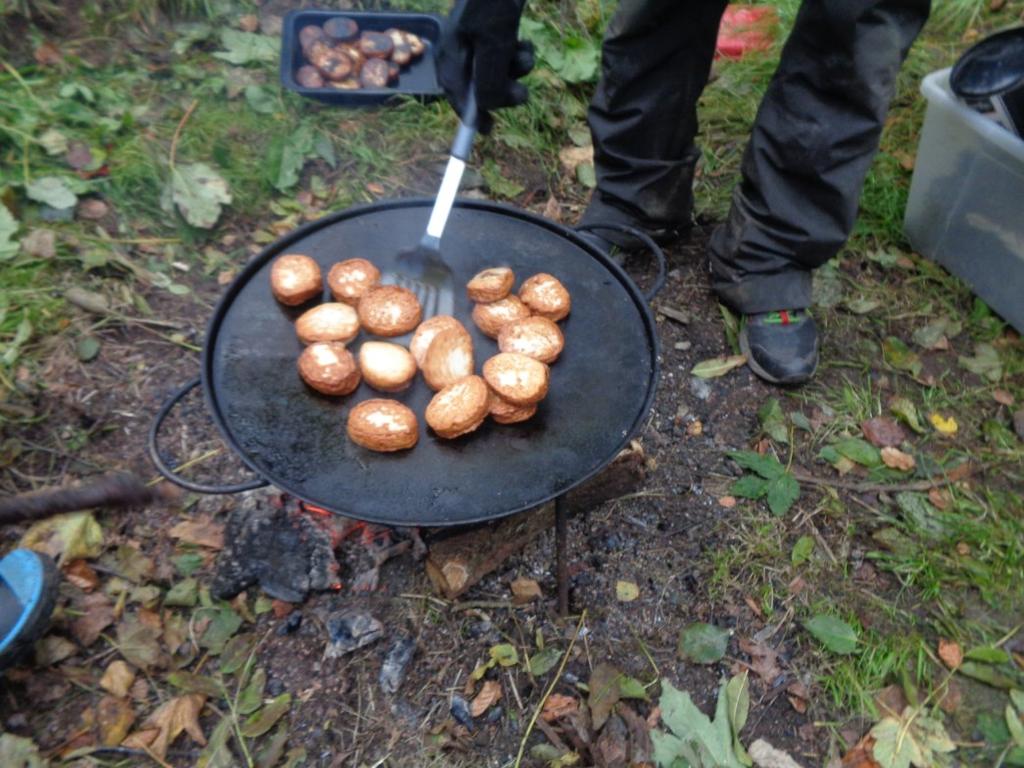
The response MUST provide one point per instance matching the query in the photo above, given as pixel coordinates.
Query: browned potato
(393, 72)
(348, 84)
(309, 35)
(383, 425)
(375, 45)
(491, 284)
(416, 45)
(341, 29)
(352, 51)
(535, 337)
(389, 310)
(335, 65)
(317, 49)
(504, 412)
(397, 36)
(295, 279)
(350, 279)
(519, 379)
(490, 317)
(332, 321)
(374, 74)
(449, 358)
(459, 408)
(329, 368)
(386, 366)
(545, 295)
(401, 55)
(309, 77)
(426, 332)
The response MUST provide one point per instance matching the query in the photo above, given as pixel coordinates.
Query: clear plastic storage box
(966, 205)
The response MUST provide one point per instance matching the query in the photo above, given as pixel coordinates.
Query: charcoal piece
(349, 630)
(460, 711)
(396, 663)
(287, 555)
(289, 625)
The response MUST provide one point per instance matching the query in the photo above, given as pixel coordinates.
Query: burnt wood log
(457, 562)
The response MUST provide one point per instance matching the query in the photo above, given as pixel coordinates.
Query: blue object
(27, 594)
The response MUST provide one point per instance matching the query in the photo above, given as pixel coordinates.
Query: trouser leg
(814, 137)
(655, 61)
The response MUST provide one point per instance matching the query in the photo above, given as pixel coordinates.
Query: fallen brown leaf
(654, 717)
(891, 701)
(940, 498)
(117, 678)
(52, 649)
(92, 209)
(281, 608)
(81, 575)
(490, 693)
(894, 458)
(950, 700)
(861, 756)
(764, 660)
(882, 432)
(552, 209)
(250, 22)
(951, 653)
(202, 532)
(525, 590)
(179, 714)
(558, 705)
(114, 717)
(611, 749)
(47, 54)
(97, 615)
(139, 690)
(799, 695)
(140, 739)
(753, 605)
(1003, 397)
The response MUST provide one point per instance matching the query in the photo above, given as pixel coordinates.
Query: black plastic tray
(417, 79)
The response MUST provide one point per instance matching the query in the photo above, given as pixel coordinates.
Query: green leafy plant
(696, 741)
(767, 479)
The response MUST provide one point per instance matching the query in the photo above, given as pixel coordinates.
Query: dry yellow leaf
(894, 458)
(943, 425)
(558, 705)
(114, 717)
(179, 714)
(489, 694)
(118, 679)
(626, 591)
(202, 532)
(524, 590)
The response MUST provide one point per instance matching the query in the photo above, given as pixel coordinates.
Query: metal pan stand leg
(561, 562)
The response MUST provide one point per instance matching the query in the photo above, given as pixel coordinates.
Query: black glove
(479, 44)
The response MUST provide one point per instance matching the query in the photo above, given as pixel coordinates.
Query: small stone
(289, 625)
(682, 346)
(250, 22)
(392, 671)
(275, 687)
(350, 630)
(700, 388)
(17, 722)
(695, 428)
(460, 711)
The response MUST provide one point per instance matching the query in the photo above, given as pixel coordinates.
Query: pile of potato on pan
(511, 383)
(340, 56)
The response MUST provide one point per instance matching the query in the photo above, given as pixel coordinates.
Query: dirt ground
(659, 539)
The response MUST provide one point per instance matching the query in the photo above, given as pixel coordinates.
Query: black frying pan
(600, 391)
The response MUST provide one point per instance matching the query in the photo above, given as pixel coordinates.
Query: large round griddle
(601, 386)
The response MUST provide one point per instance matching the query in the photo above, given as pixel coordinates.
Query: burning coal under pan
(601, 387)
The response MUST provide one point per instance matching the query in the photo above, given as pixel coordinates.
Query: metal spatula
(423, 270)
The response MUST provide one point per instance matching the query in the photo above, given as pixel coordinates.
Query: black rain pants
(813, 139)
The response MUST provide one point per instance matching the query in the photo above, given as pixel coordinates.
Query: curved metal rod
(154, 451)
(643, 237)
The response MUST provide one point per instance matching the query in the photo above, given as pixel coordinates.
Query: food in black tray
(341, 56)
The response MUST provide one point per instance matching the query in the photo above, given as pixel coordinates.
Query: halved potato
(519, 379)
(535, 337)
(386, 366)
(427, 330)
(329, 368)
(295, 279)
(491, 284)
(332, 321)
(491, 317)
(545, 295)
(449, 358)
(383, 425)
(459, 408)
(350, 279)
(389, 310)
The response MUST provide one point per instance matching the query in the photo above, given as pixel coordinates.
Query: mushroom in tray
(309, 35)
(309, 77)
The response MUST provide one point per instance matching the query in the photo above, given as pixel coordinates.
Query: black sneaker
(781, 347)
(618, 244)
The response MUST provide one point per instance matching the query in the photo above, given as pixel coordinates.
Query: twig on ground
(920, 485)
(547, 692)
(177, 132)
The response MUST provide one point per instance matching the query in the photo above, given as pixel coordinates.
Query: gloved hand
(479, 45)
